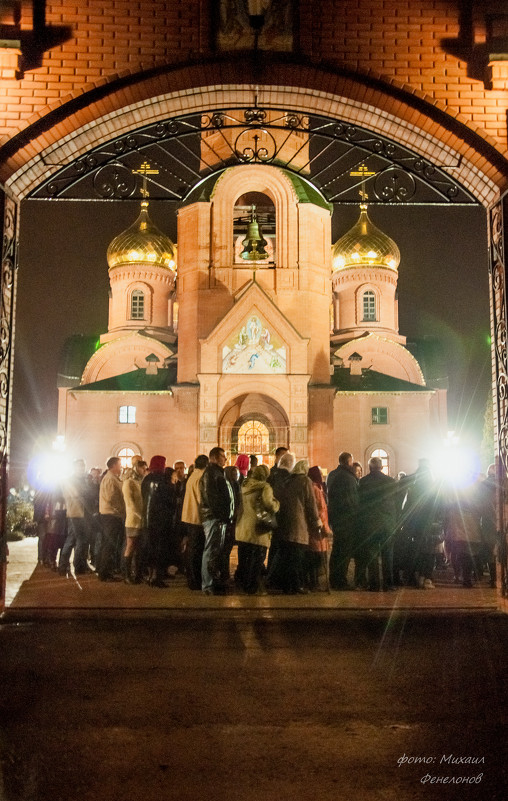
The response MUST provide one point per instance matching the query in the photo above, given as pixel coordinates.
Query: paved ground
(37, 590)
(254, 705)
(220, 703)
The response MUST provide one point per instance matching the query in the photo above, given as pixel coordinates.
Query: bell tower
(295, 276)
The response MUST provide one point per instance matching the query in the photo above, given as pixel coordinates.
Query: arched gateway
(302, 145)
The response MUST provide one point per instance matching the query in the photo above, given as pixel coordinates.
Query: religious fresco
(255, 24)
(254, 349)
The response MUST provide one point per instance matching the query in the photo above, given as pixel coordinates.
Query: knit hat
(242, 462)
(157, 464)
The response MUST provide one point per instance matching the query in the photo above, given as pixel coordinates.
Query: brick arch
(398, 113)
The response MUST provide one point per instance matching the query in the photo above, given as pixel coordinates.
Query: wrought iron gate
(10, 217)
(498, 251)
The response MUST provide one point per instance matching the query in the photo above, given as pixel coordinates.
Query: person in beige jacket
(252, 547)
(131, 489)
(112, 513)
(194, 539)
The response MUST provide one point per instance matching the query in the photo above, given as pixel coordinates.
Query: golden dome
(142, 242)
(365, 245)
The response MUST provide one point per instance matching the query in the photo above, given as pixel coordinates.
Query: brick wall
(420, 45)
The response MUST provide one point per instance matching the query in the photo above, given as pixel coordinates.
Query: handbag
(265, 519)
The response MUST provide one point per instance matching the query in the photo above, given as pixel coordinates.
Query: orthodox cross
(145, 170)
(362, 172)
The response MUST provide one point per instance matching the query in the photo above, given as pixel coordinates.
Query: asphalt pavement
(220, 703)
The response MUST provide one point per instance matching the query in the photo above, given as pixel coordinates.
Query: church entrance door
(256, 425)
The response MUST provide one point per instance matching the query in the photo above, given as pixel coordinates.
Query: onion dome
(365, 245)
(142, 242)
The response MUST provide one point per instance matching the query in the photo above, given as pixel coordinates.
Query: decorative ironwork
(257, 153)
(335, 156)
(7, 305)
(114, 181)
(498, 265)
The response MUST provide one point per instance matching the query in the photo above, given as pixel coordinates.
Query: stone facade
(255, 347)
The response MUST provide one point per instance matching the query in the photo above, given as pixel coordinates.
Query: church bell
(254, 243)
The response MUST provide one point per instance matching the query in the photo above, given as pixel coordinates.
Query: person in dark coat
(276, 473)
(236, 481)
(159, 505)
(43, 502)
(400, 540)
(177, 483)
(297, 517)
(342, 515)
(377, 522)
(217, 510)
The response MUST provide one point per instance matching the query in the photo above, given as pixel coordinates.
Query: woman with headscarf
(242, 463)
(252, 545)
(316, 556)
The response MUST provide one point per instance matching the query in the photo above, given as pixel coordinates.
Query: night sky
(63, 290)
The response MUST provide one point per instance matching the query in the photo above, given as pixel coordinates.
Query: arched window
(126, 455)
(137, 305)
(253, 437)
(382, 454)
(369, 306)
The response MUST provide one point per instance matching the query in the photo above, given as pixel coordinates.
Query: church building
(256, 333)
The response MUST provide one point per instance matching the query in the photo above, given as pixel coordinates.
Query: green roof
(135, 381)
(307, 192)
(304, 189)
(76, 352)
(372, 381)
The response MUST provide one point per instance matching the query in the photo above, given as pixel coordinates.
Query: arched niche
(264, 180)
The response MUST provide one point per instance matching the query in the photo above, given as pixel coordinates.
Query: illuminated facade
(298, 348)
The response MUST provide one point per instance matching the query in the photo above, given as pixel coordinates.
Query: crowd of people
(295, 532)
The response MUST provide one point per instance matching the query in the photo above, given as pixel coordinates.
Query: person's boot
(127, 569)
(137, 573)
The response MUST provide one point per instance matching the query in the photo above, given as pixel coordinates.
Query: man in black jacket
(217, 509)
(377, 524)
(342, 488)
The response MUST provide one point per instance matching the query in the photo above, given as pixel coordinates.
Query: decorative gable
(254, 338)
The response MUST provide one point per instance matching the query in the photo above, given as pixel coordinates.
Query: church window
(126, 455)
(127, 414)
(137, 305)
(369, 306)
(382, 454)
(379, 415)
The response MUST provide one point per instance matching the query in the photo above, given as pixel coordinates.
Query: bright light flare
(455, 464)
(47, 470)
